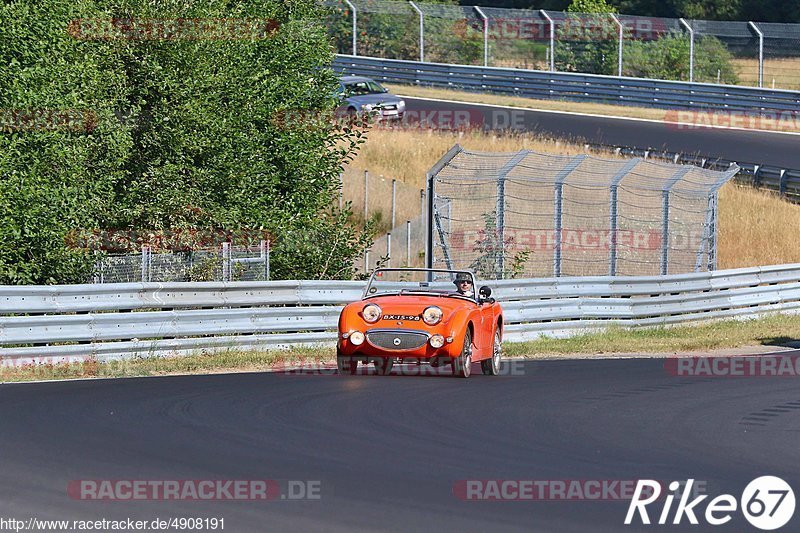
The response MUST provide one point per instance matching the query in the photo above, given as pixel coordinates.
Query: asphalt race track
(387, 451)
(736, 145)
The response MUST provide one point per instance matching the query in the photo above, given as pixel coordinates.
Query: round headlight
(432, 315)
(367, 107)
(371, 313)
(437, 341)
(356, 338)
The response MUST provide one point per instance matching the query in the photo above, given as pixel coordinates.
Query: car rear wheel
(491, 367)
(345, 364)
(383, 365)
(462, 365)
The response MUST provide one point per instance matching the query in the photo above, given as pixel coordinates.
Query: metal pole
(485, 20)
(558, 204)
(422, 204)
(619, 60)
(421, 31)
(355, 25)
(429, 226)
(266, 261)
(389, 249)
(691, 49)
(614, 211)
(226, 261)
(145, 264)
(760, 53)
(552, 40)
(408, 243)
(366, 196)
(394, 202)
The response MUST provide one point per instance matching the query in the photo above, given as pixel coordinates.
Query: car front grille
(397, 339)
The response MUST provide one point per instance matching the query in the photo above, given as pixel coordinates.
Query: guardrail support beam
(355, 25)
(691, 48)
(760, 52)
(485, 20)
(552, 39)
(421, 31)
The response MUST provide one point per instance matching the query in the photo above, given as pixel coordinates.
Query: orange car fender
(457, 327)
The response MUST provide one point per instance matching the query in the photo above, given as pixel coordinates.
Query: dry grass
(752, 224)
(783, 73)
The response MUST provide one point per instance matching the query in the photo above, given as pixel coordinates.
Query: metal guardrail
(50, 323)
(571, 86)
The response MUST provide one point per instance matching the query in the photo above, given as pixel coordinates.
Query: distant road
(389, 451)
(737, 145)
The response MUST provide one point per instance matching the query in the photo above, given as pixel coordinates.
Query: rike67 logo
(767, 503)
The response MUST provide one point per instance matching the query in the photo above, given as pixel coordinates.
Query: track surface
(745, 146)
(388, 450)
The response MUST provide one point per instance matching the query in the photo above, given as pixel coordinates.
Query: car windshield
(416, 281)
(358, 88)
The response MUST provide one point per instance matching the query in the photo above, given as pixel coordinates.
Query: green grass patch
(777, 330)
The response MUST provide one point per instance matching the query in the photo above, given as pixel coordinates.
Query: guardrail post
(619, 59)
(782, 186)
(485, 20)
(552, 40)
(757, 176)
(421, 31)
(355, 25)
(691, 48)
(760, 52)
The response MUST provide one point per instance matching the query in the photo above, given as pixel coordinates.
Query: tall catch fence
(726, 52)
(527, 214)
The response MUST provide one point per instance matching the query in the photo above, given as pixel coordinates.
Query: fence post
(146, 264)
(341, 190)
(394, 202)
(614, 213)
(665, 217)
(552, 40)
(226, 261)
(355, 25)
(485, 20)
(691, 49)
(389, 249)
(621, 36)
(421, 31)
(760, 53)
(366, 196)
(264, 248)
(408, 243)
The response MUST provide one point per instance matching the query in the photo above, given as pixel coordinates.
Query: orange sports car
(421, 316)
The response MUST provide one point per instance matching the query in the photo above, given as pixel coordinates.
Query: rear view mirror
(485, 292)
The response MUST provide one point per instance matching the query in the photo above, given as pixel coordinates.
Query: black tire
(462, 365)
(345, 364)
(383, 365)
(491, 366)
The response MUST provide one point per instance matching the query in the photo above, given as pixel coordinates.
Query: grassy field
(783, 73)
(752, 224)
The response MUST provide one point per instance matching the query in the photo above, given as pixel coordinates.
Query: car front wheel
(491, 367)
(462, 365)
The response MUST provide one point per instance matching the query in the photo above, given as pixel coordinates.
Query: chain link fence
(729, 52)
(228, 263)
(526, 214)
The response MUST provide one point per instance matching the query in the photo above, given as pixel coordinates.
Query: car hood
(413, 305)
(374, 99)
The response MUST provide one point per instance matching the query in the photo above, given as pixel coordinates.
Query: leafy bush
(185, 136)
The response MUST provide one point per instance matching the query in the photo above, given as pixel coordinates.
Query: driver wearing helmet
(463, 283)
